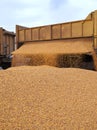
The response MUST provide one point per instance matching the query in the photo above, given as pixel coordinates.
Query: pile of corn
(54, 53)
(48, 98)
(57, 60)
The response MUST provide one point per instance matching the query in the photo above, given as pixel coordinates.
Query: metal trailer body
(86, 28)
(7, 46)
(84, 31)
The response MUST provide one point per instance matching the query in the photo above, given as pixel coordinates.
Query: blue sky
(33, 13)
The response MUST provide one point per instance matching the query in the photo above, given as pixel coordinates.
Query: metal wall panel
(45, 33)
(88, 28)
(56, 32)
(21, 36)
(28, 34)
(35, 34)
(77, 29)
(66, 30)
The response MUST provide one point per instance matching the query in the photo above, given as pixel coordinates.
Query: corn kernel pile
(54, 53)
(48, 98)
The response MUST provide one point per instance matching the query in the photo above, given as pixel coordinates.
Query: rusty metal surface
(7, 42)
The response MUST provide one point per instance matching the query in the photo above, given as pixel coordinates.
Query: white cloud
(72, 10)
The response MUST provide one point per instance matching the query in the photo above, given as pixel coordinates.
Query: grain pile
(48, 98)
(55, 53)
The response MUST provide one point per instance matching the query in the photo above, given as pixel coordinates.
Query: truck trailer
(7, 46)
(75, 39)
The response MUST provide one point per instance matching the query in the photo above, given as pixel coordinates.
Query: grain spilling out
(51, 83)
(48, 98)
(62, 53)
